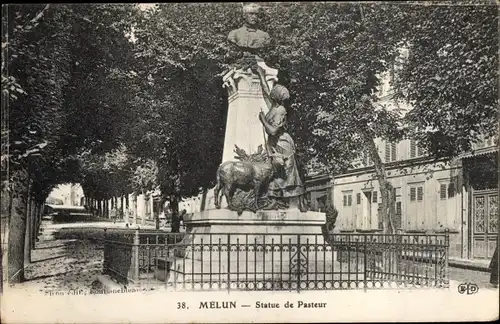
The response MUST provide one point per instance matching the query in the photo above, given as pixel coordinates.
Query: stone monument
(227, 243)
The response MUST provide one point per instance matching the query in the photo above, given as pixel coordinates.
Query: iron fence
(252, 261)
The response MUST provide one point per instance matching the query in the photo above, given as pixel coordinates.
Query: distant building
(68, 194)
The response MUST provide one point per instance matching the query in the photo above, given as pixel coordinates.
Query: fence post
(299, 249)
(365, 251)
(446, 281)
(399, 256)
(135, 250)
(228, 263)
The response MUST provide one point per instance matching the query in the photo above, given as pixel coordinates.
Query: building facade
(430, 196)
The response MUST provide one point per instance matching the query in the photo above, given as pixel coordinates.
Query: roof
(479, 152)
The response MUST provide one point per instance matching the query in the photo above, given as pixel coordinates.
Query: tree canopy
(121, 99)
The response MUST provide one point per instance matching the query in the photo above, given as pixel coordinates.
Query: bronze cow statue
(244, 174)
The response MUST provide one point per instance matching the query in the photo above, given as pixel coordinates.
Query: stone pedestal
(263, 250)
(243, 127)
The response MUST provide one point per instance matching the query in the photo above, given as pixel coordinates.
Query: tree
(451, 76)
(183, 91)
(44, 47)
(338, 55)
(145, 178)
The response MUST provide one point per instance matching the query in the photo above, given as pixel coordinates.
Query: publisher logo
(468, 288)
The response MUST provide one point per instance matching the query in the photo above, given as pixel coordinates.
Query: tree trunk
(143, 216)
(121, 206)
(157, 215)
(134, 207)
(174, 206)
(37, 220)
(203, 199)
(17, 227)
(27, 236)
(5, 223)
(386, 191)
(106, 208)
(390, 261)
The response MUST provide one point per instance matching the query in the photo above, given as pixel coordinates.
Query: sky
(145, 6)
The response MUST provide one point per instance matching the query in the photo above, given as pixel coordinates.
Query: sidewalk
(62, 265)
(474, 264)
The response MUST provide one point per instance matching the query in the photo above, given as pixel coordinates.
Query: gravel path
(64, 265)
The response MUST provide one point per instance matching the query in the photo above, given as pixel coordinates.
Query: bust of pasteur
(249, 39)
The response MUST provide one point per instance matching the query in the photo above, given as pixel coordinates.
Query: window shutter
(358, 198)
(451, 190)
(350, 200)
(442, 191)
(412, 194)
(420, 193)
(374, 195)
(345, 200)
(366, 160)
(387, 152)
(398, 208)
(420, 151)
(413, 149)
(393, 151)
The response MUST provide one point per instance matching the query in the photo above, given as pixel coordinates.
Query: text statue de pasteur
(261, 185)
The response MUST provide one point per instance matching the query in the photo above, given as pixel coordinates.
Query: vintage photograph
(250, 161)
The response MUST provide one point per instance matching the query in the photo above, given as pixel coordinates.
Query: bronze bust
(249, 39)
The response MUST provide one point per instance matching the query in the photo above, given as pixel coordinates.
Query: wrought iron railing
(275, 261)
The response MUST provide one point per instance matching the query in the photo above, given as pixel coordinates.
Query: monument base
(272, 249)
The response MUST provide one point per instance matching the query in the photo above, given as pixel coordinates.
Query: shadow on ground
(64, 264)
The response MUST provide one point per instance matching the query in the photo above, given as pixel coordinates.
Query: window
(415, 150)
(390, 151)
(446, 190)
(442, 191)
(446, 210)
(398, 206)
(374, 197)
(416, 193)
(415, 212)
(358, 198)
(420, 193)
(366, 160)
(347, 200)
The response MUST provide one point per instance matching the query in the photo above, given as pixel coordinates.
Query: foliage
(56, 53)
(145, 176)
(90, 103)
(331, 217)
(183, 126)
(451, 77)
